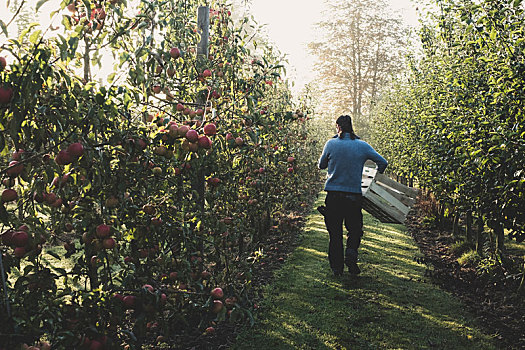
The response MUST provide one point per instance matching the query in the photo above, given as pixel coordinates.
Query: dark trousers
(343, 207)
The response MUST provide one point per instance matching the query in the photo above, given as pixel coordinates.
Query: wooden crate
(387, 200)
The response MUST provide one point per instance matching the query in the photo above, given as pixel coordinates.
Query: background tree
(360, 48)
(456, 121)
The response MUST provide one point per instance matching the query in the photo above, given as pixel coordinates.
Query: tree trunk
(455, 226)
(479, 234)
(500, 238)
(468, 226)
(441, 216)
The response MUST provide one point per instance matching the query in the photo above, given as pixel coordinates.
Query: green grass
(389, 306)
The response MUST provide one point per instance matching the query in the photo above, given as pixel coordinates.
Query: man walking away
(345, 156)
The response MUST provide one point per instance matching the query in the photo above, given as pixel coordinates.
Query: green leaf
(39, 4)
(493, 34)
(35, 36)
(3, 27)
(27, 30)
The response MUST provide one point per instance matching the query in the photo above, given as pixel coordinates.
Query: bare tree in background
(361, 48)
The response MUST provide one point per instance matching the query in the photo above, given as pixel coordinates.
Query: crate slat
(386, 199)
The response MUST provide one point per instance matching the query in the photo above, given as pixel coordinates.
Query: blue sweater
(345, 159)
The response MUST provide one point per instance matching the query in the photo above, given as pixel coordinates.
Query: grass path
(391, 305)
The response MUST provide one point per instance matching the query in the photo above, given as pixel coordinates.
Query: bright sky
(292, 27)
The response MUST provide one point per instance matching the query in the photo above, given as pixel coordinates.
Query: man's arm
(378, 159)
(323, 160)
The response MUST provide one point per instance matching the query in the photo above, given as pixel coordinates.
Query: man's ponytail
(345, 123)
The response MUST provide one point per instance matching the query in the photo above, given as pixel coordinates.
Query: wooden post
(203, 22)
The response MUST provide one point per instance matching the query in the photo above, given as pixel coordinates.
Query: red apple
(182, 130)
(180, 107)
(239, 141)
(108, 243)
(3, 63)
(210, 330)
(17, 155)
(118, 296)
(9, 182)
(291, 159)
(192, 135)
(142, 144)
(75, 149)
(129, 301)
(210, 129)
(9, 195)
(6, 94)
(50, 198)
(217, 293)
(20, 252)
(170, 72)
(57, 203)
(193, 146)
(149, 287)
(204, 142)
(20, 239)
(103, 231)
(175, 52)
(15, 168)
(63, 158)
(206, 73)
(173, 130)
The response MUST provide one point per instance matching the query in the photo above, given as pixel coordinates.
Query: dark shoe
(322, 210)
(337, 272)
(353, 269)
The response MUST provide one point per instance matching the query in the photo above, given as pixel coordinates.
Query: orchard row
(456, 122)
(131, 211)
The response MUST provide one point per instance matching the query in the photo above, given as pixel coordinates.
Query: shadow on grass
(389, 306)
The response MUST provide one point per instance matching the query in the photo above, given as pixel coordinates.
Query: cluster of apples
(21, 241)
(71, 154)
(192, 140)
(14, 169)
